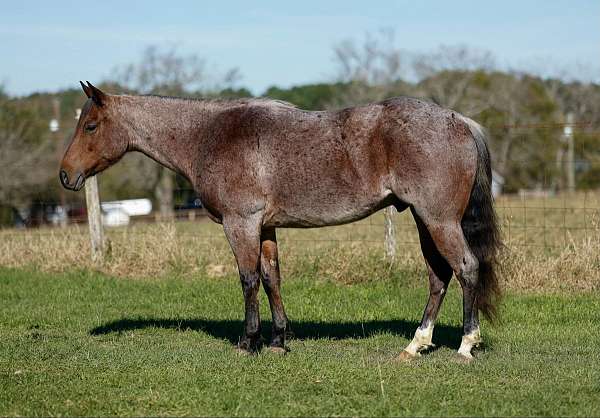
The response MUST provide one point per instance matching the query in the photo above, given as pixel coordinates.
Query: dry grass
(552, 244)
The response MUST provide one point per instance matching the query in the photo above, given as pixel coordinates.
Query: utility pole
(58, 140)
(570, 166)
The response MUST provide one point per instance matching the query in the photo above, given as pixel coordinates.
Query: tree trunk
(505, 150)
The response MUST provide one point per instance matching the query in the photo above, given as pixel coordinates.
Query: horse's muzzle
(64, 179)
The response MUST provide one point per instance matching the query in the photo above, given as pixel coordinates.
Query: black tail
(480, 227)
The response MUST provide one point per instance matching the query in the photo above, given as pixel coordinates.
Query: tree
(449, 76)
(164, 71)
(27, 154)
(582, 100)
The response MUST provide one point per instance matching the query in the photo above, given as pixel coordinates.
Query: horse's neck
(168, 131)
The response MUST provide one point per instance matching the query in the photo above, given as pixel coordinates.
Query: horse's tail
(480, 227)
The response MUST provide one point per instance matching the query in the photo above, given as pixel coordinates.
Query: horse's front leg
(244, 237)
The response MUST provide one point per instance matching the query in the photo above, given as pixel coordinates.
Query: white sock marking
(421, 340)
(468, 341)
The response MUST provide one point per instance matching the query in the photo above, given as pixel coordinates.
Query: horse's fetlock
(250, 343)
(279, 326)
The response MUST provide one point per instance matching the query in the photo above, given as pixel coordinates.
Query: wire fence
(533, 218)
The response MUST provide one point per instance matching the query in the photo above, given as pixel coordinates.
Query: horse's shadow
(230, 330)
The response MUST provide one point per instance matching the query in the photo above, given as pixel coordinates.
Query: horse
(259, 164)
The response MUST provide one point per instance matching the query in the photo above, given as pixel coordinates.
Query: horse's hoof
(406, 356)
(428, 348)
(278, 350)
(247, 350)
(243, 352)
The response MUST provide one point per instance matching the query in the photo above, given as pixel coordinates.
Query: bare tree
(447, 77)
(164, 71)
(371, 70)
(506, 95)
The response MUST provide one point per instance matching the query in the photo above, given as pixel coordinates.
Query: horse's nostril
(64, 178)
(79, 182)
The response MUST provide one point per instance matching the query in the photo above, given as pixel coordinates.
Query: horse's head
(98, 141)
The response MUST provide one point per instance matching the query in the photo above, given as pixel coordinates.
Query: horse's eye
(91, 127)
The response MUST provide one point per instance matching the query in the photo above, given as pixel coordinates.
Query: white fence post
(92, 200)
(390, 233)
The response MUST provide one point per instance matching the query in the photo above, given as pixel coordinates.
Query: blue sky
(47, 45)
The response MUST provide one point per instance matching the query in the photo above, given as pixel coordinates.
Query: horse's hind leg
(244, 237)
(452, 245)
(440, 274)
(271, 280)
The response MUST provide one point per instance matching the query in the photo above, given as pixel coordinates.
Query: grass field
(83, 343)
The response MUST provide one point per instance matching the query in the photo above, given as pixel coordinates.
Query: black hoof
(250, 345)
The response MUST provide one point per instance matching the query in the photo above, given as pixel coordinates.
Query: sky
(50, 45)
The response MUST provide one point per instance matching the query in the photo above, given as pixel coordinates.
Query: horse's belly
(313, 212)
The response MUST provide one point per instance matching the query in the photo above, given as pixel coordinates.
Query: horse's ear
(86, 89)
(96, 94)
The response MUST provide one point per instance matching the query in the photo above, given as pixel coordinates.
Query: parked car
(192, 203)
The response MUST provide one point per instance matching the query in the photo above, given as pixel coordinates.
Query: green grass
(88, 344)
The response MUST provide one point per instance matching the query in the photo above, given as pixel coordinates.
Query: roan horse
(260, 164)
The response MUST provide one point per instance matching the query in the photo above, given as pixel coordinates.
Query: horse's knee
(250, 281)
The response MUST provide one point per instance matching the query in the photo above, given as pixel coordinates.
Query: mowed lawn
(88, 344)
